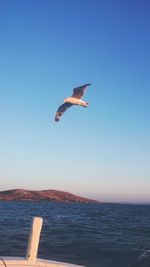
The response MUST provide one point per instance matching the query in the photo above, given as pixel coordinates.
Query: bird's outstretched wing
(61, 110)
(78, 92)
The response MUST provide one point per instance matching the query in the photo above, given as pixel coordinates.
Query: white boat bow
(31, 260)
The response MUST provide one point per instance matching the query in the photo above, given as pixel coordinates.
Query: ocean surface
(92, 235)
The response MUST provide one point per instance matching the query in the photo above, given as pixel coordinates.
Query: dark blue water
(92, 235)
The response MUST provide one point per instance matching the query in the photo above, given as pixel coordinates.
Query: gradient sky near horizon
(48, 47)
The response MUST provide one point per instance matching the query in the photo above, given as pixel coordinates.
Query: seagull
(75, 99)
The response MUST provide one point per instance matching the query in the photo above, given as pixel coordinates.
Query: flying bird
(75, 99)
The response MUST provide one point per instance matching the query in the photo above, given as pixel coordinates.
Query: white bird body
(75, 99)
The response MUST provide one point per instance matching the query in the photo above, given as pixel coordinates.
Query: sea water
(93, 235)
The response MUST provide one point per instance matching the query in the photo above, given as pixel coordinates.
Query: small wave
(143, 260)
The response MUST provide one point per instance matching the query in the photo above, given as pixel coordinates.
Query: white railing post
(33, 241)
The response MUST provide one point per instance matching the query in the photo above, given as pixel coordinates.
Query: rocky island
(42, 195)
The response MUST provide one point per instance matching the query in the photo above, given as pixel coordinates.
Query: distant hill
(48, 195)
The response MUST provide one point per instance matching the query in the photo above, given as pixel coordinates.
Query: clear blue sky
(47, 47)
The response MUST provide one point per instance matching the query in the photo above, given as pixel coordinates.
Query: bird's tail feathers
(85, 104)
